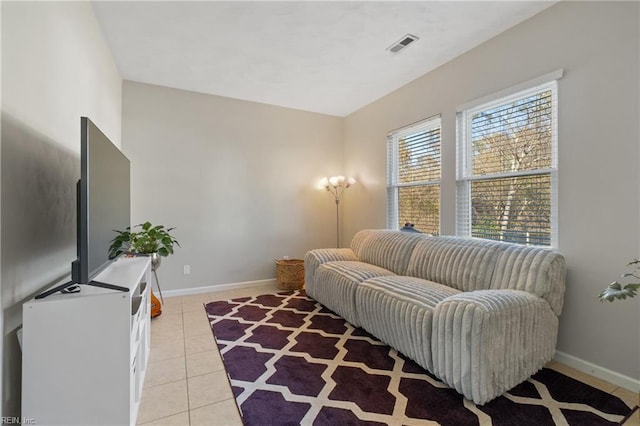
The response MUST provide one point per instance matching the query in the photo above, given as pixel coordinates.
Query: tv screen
(103, 200)
(103, 205)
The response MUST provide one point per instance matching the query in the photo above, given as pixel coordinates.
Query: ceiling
(326, 57)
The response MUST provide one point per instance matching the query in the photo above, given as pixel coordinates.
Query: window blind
(507, 168)
(414, 169)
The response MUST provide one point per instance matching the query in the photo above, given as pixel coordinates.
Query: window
(507, 168)
(413, 176)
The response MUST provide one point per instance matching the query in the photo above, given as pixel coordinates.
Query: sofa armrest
(314, 258)
(486, 342)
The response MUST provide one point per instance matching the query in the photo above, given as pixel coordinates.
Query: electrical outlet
(285, 257)
(187, 269)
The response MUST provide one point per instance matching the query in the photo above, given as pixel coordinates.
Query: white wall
(597, 45)
(235, 178)
(56, 67)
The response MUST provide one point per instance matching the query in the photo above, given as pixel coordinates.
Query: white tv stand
(84, 355)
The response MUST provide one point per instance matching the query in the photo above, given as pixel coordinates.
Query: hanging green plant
(621, 291)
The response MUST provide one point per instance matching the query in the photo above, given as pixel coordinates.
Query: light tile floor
(186, 383)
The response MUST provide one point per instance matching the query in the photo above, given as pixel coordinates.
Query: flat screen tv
(103, 205)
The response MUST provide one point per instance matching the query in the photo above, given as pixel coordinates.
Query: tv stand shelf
(84, 355)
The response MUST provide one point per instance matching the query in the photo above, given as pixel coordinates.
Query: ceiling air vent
(402, 43)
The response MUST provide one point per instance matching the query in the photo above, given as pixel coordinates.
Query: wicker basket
(290, 274)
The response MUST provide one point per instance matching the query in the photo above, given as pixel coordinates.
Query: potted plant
(616, 290)
(149, 239)
(154, 241)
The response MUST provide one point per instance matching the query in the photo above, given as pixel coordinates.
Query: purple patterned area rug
(291, 361)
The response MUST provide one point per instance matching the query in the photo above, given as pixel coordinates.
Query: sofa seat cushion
(399, 311)
(336, 284)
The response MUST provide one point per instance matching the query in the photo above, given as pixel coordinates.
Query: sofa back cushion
(533, 269)
(466, 264)
(386, 248)
(358, 240)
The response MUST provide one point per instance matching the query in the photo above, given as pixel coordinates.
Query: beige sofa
(481, 315)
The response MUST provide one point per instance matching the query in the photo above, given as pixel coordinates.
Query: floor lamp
(336, 186)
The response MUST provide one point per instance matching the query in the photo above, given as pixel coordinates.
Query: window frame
(464, 172)
(393, 168)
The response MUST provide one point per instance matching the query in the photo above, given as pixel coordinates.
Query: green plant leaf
(616, 291)
(149, 239)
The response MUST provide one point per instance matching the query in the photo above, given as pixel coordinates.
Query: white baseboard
(597, 371)
(268, 283)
